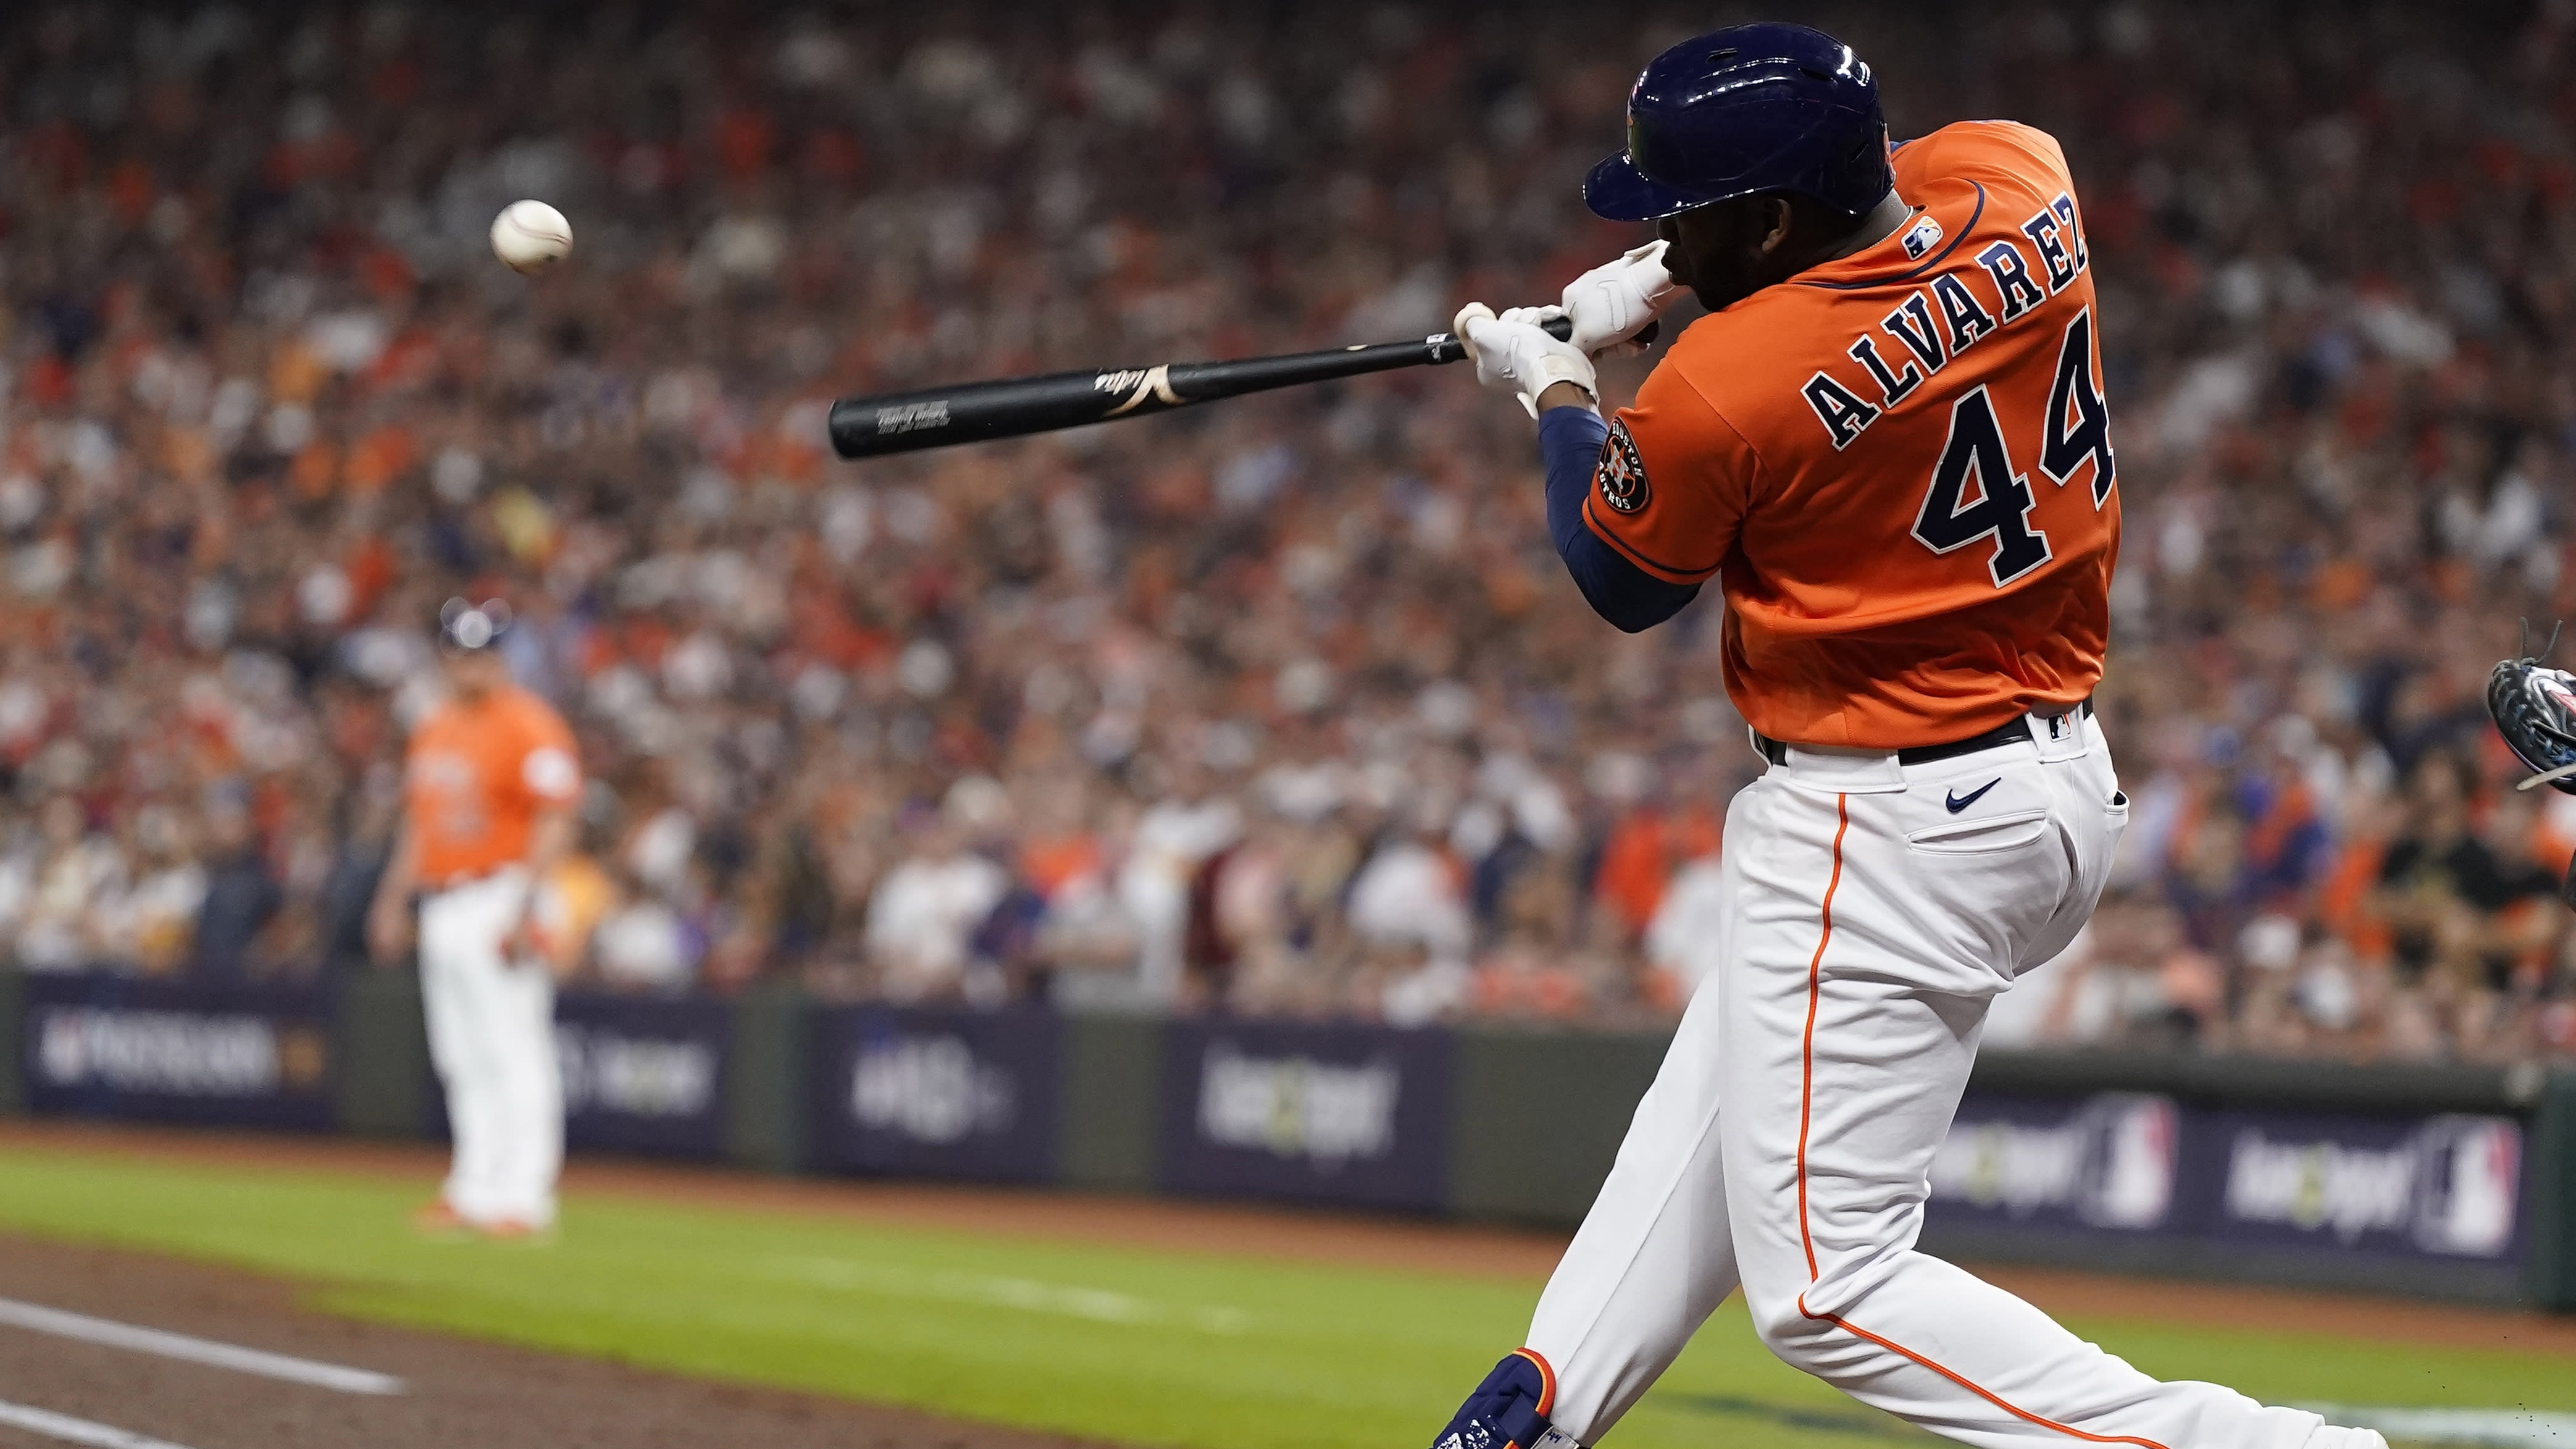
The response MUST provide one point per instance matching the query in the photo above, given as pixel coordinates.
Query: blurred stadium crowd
(1284, 707)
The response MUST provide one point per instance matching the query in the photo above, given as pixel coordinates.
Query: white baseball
(530, 236)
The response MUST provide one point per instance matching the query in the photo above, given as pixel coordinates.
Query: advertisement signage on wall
(101, 1044)
(2107, 1162)
(2445, 1187)
(643, 1074)
(1342, 1114)
(941, 1093)
(2434, 1187)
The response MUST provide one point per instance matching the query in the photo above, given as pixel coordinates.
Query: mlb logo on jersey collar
(1922, 237)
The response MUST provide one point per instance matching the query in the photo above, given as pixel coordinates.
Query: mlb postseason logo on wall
(944, 1093)
(2106, 1162)
(643, 1075)
(1329, 1114)
(2446, 1187)
(109, 1045)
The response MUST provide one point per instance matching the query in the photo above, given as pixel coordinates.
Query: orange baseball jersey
(1898, 464)
(477, 774)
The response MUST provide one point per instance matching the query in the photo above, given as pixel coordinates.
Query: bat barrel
(977, 412)
(937, 417)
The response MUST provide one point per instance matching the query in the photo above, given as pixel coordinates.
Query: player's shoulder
(1684, 400)
(1722, 367)
(1986, 152)
(531, 711)
(437, 720)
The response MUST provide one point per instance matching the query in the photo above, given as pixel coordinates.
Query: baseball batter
(1887, 443)
(488, 792)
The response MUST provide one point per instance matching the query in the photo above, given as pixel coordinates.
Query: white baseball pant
(491, 1037)
(1872, 911)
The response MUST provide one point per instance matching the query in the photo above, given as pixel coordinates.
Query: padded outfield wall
(2451, 1182)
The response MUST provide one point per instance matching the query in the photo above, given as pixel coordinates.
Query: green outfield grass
(1175, 1348)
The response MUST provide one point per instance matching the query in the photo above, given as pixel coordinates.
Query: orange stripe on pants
(1806, 1106)
(1971, 1386)
(1815, 988)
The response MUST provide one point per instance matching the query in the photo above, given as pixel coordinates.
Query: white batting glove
(1613, 301)
(1513, 351)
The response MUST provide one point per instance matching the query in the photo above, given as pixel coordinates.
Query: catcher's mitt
(2535, 710)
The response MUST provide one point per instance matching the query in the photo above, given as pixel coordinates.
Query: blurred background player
(489, 786)
(1887, 441)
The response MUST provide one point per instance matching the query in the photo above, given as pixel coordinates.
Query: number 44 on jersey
(1977, 494)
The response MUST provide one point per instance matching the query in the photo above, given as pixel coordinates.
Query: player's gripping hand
(1614, 301)
(1513, 351)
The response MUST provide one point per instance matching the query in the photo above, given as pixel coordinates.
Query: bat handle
(1444, 347)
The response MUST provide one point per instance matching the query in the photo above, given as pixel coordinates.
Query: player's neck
(1877, 226)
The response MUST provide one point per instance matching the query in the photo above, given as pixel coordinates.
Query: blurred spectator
(2461, 913)
(643, 944)
(1173, 840)
(76, 872)
(924, 915)
(147, 923)
(1683, 938)
(241, 896)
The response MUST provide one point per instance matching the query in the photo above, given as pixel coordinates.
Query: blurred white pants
(491, 1036)
(1872, 910)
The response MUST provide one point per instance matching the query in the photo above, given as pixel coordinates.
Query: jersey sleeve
(549, 770)
(1628, 597)
(1672, 483)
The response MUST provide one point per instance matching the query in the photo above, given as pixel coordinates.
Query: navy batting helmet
(1742, 111)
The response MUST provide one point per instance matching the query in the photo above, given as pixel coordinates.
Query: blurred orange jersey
(1897, 463)
(477, 775)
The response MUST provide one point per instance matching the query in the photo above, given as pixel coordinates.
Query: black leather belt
(2010, 732)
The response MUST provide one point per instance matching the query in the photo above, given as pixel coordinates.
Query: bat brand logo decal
(1153, 382)
(1621, 474)
(912, 417)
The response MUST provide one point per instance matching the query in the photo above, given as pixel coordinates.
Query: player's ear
(1774, 220)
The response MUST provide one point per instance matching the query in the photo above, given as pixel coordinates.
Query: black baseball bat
(1012, 407)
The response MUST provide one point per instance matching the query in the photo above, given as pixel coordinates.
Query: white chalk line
(2493, 1428)
(77, 1431)
(40, 1319)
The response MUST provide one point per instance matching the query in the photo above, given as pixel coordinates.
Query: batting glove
(1509, 1409)
(1513, 351)
(1611, 303)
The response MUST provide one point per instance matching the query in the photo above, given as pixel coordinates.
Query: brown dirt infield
(460, 1395)
(479, 1394)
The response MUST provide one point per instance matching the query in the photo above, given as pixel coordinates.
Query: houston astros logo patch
(1621, 474)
